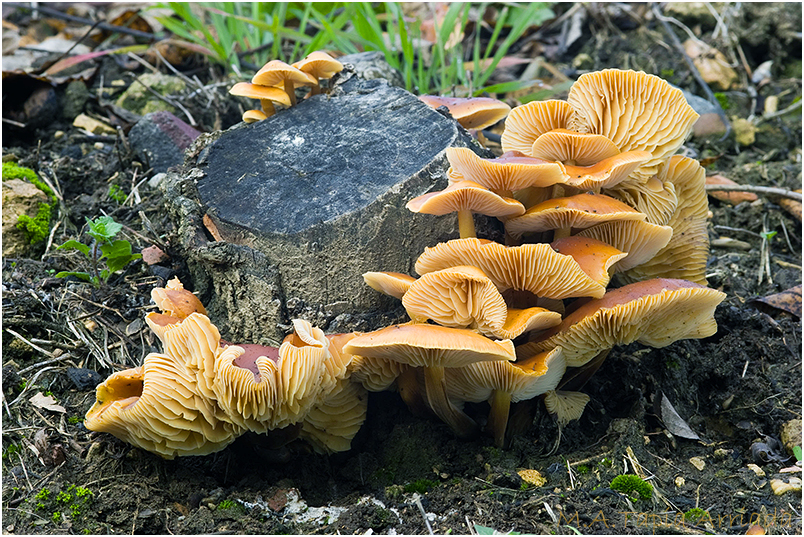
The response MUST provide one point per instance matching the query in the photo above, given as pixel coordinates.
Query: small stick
(424, 515)
(45, 363)
(33, 346)
(774, 191)
(81, 20)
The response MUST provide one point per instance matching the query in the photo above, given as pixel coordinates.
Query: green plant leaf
(797, 452)
(103, 228)
(74, 245)
(117, 255)
(80, 275)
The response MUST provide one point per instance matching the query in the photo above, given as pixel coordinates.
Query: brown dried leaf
(733, 197)
(153, 255)
(788, 300)
(792, 206)
(47, 402)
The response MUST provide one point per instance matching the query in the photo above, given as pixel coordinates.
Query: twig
(778, 113)
(693, 70)
(571, 478)
(31, 383)
(48, 65)
(418, 502)
(774, 191)
(81, 20)
(15, 123)
(34, 347)
(741, 230)
(45, 363)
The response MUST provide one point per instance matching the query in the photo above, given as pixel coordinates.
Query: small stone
(84, 379)
(771, 105)
(137, 98)
(58, 135)
(791, 434)
(98, 145)
(680, 481)
(160, 139)
(779, 487)
(744, 131)
(583, 61)
(756, 469)
(698, 463)
(83, 121)
(721, 453)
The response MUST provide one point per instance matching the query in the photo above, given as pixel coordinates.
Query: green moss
(13, 171)
(723, 100)
(583, 469)
(632, 485)
(56, 517)
(37, 228)
(667, 73)
(43, 494)
(420, 485)
(117, 194)
(694, 515)
(231, 505)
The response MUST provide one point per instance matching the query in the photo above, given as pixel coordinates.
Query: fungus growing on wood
(266, 94)
(470, 112)
(538, 268)
(464, 297)
(465, 198)
(278, 73)
(653, 312)
(157, 407)
(320, 66)
(503, 383)
(433, 348)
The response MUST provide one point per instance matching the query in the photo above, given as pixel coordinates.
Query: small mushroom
(565, 406)
(579, 268)
(278, 73)
(573, 148)
(251, 116)
(267, 95)
(470, 112)
(606, 173)
(635, 110)
(653, 312)
(466, 197)
(527, 122)
(503, 383)
(434, 348)
(332, 423)
(393, 284)
(176, 301)
(464, 297)
(320, 66)
(512, 171)
(157, 407)
(571, 212)
(640, 240)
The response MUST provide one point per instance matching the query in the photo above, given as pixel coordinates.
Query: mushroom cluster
(276, 83)
(587, 189)
(202, 392)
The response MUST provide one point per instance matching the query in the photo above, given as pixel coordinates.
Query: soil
(407, 474)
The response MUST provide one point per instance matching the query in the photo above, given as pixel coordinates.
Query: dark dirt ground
(735, 388)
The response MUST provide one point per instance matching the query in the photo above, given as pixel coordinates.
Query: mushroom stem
(291, 92)
(561, 233)
(498, 416)
(466, 224)
(410, 392)
(315, 89)
(268, 107)
(434, 385)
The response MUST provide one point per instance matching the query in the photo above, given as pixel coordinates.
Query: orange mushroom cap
(394, 284)
(527, 122)
(575, 148)
(471, 112)
(511, 171)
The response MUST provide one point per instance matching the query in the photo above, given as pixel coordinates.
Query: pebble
(698, 463)
(680, 482)
(756, 469)
(58, 135)
(780, 487)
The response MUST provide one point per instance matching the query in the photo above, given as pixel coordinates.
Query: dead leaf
(711, 64)
(153, 255)
(47, 402)
(732, 197)
(788, 300)
(672, 421)
(792, 206)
